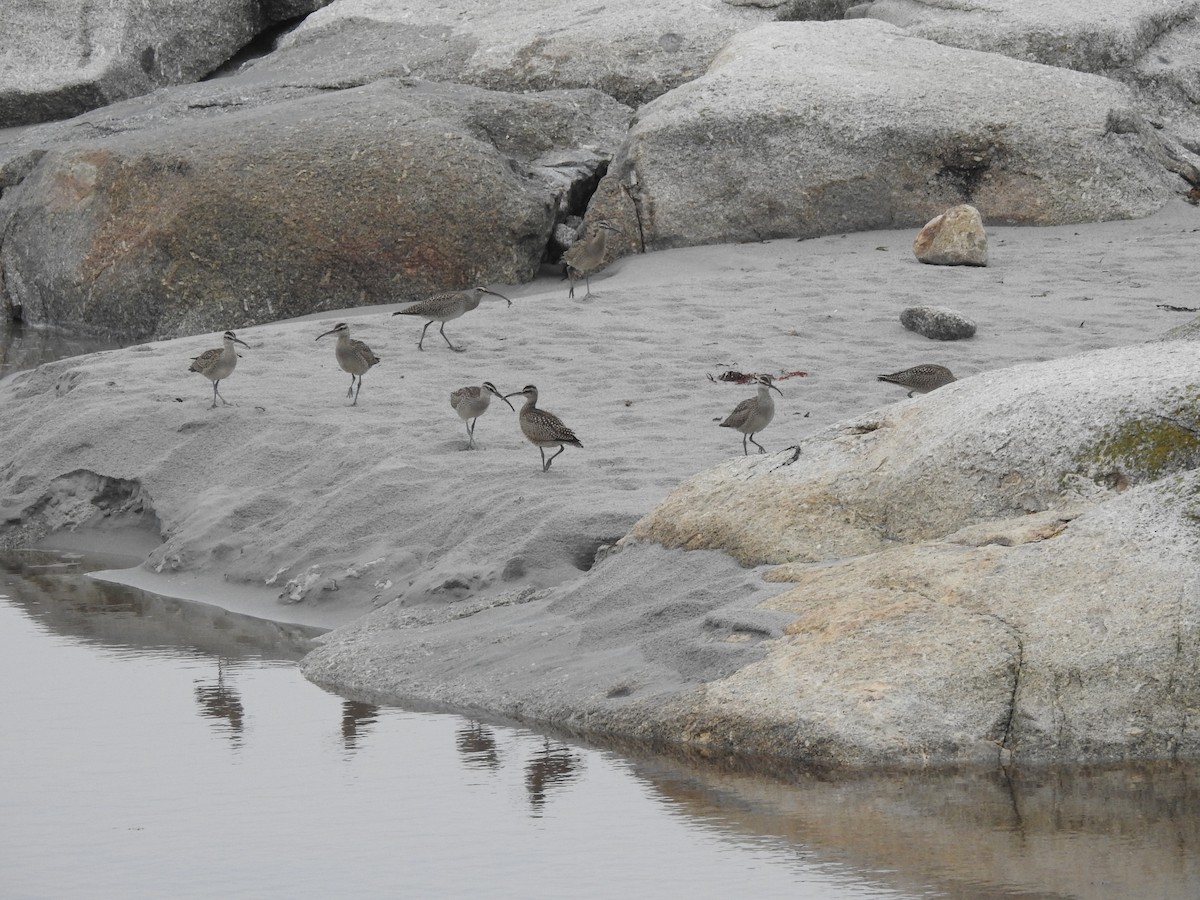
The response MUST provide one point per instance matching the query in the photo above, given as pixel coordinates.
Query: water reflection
(221, 702)
(25, 347)
(1116, 831)
(48, 588)
(357, 719)
(551, 767)
(476, 744)
(392, 784)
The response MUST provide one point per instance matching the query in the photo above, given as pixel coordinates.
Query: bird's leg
(350, 390)
(745, 452)
(571, 279)
(587, 279)
(442, 331)
(546, 466)
(761, 448)
(471, 433)
(214, 403)
(422, 340)
(356, 390)
(217, 393)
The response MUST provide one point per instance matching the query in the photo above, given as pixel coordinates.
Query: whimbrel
(446, 306)
(585, 256)
(920, 379)
(471, 403)
(218, 363)
(755, 413)
(354, 357)
(543, 428)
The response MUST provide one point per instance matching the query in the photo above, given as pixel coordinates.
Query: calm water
(157, 748)
(25, 347)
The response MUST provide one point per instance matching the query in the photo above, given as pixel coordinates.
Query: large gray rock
(225, 217)
(802, 129)
(631, 50)
(1149, 44)
(1026, 585)
(60, 59)
(1073, 34)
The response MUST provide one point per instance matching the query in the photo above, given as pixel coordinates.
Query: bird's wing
(740, 413)
(203, 360)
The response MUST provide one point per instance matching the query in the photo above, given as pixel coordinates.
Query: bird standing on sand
(920, 379)
(446, 306)
(755, 413)
(473, 402)
(354, 357)
(543, 428)
(586, 256)
(218, 363)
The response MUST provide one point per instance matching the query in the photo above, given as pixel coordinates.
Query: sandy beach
(384, 502)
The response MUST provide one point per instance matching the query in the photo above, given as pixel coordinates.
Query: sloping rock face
(61, 59)
(1152, 45)
(631, 50)
(1023, 453)
(1069, 33)
(367, 195)
(1027, 584)
(808, 128)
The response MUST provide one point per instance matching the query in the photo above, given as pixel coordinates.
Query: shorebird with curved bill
(542, 428)
(920, 379)
(585, 256)
(755, 413)
(353, 356)
(446, 306)
(218, 363)
(473, 402)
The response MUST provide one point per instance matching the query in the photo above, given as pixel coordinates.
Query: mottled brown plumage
(218, 363)
(755, 413)
(920, 379)
(542, 428)
(444, 307)
(353, 356)
(471, 403)
(586, 256)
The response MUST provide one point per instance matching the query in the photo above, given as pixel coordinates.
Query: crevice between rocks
(1006, 753)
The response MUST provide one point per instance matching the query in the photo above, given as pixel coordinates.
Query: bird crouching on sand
(218, 363)
(920, 379)
(542, 428)
(473, 402)
(353, 356)
(444, 307)
(755, 413)
(586, 256)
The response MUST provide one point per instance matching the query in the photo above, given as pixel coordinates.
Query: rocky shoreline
(1001, 571)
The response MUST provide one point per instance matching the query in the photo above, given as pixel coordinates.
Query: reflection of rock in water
(51, 588)
(553, 766)
(1083, 831)
(220, 701)
(476, 744)
(357, 717)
